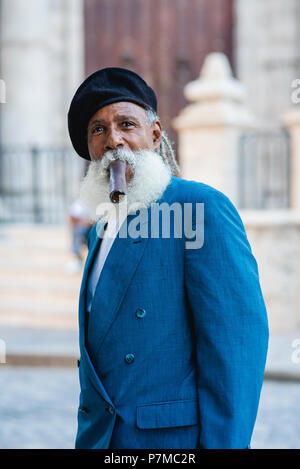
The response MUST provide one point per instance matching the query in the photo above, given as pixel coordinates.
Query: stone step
(22, 247)
(21, 312)
(45, 235)
(34, 255)
(34, 341)
(17, 318)
(44, 292)
(13, 283)
(30, 242)
(27, 346)
(43, 299)
(35, 277)
(34, 243)
(34, 265)
(37, 287)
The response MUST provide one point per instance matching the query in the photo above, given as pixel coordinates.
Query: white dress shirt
(108, 238)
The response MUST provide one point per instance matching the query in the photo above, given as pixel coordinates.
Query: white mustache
(151, 176)
(121, 154)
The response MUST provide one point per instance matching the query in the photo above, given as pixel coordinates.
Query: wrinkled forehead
(120, 109)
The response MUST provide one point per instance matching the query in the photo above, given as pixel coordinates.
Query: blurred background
(227, 74)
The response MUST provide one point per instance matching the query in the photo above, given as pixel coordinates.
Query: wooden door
(165, 41)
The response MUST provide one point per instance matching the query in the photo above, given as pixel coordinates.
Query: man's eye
(127, 124)
(97, 129)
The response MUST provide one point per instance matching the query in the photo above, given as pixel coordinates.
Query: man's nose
(113, 140)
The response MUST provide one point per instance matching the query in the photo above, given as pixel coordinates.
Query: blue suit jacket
(174, 351)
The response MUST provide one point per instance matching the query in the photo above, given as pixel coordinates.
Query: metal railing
(264, 170)
(37, 184)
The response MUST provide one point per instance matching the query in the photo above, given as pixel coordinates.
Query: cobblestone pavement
(278, 420)
(38, 409)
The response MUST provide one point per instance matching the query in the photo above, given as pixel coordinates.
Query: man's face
(121, 125)
(122, 130)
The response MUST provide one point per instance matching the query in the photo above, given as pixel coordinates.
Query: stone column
(41, 55)
(25, 70)
(210, 127)
(266, 53)
(42, 64)
(274, 238)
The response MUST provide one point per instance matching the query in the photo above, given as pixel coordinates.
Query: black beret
(106, 86)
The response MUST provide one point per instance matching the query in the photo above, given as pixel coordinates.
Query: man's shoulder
(216, 203)
(183, 190)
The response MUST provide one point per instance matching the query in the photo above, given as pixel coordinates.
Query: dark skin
(122, 125)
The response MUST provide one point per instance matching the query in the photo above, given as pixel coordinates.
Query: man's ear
(156, 134)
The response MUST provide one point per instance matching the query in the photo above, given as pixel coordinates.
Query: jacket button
(140, 313)
(129, 358)
(84, 410)
(111, 410)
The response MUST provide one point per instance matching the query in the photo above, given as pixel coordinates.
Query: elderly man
(173, 330)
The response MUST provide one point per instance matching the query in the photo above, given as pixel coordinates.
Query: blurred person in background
(80, 225)
(173, 339)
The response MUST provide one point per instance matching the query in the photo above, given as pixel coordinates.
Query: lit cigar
(117, 180)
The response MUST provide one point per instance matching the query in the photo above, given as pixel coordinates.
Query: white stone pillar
(210, 127)
(291, 120)
(41, 56)
(266, 53)
(274, 238)
(25, 70)
(42, 64)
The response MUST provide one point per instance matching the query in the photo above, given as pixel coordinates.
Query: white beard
(150, 179)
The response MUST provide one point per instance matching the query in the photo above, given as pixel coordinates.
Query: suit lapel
(115, 277)
(93, 249)
(114, 280)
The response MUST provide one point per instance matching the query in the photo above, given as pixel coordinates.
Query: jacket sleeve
(230, 324)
